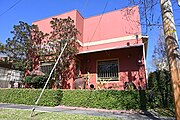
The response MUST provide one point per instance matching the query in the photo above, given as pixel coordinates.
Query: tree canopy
(30, 46)
(21, 48)
(64, 31)
(159, 82)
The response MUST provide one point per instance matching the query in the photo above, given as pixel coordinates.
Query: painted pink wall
(44, 24)
(114, 24)
(111, 45)
(128, 65)
(119, 23)
(79, 25)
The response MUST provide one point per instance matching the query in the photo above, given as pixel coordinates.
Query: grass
(164, 112)
(14, 114)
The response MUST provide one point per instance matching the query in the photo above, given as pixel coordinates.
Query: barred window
(107, 70)
(46, 68)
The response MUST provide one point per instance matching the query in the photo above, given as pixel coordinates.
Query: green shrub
(36, 81)
(29, 96)
(105, 99)
(160, 86)
(28, 79)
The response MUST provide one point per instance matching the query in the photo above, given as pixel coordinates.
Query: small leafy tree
(35, 81)
(23, 47)
(63, 31)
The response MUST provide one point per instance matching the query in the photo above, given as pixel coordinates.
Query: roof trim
(112, 48)
(55, 16)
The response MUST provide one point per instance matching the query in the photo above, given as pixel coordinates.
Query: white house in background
(7, 74)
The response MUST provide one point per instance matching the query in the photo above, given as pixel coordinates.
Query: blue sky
(33, 10)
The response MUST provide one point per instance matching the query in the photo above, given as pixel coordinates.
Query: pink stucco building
(112, 51)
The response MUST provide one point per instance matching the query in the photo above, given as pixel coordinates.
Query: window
(46, 67)
(77, 68)
(107, 70)
(3, 73)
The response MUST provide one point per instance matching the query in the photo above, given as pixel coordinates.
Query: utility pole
(172, 49)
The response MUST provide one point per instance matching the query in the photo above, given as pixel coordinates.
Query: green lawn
(13, 114)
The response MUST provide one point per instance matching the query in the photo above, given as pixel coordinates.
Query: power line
(11, 7)
(99, 21)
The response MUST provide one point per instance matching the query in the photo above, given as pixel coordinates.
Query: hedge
(29, 96)
(106, 99)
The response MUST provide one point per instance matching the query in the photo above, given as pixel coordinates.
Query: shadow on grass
(143, 105)
(143, 100)
(150, 115)
(165, 112)
(38, 113)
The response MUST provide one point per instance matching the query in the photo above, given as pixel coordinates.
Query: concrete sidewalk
(118, 114)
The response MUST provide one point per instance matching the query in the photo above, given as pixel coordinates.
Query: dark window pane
(46, 68)
(108, 70)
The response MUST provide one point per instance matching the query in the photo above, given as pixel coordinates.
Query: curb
(98, 110)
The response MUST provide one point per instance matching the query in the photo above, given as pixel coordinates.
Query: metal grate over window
(108, 70)
(46, 68)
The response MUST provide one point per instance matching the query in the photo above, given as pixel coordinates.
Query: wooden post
(172, 49)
